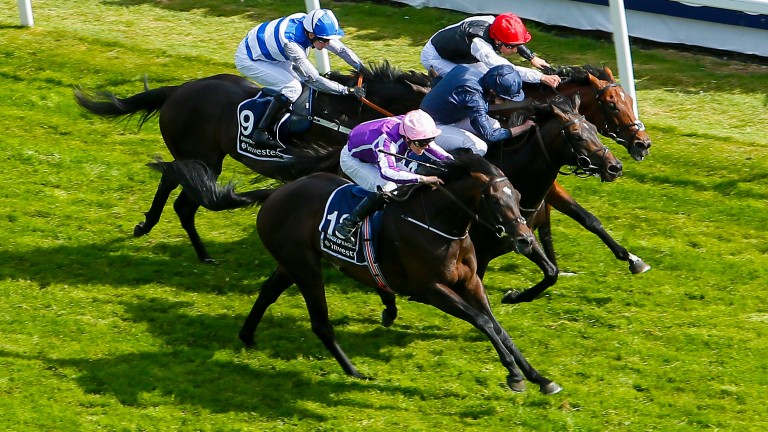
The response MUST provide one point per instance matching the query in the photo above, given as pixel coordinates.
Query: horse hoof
(139, 230)
(249, 341)
(209, 261)
(511, 297)
(550, 388)
(387, 319)
(637, 265)
(516, 386)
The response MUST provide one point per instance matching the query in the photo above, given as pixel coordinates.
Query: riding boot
(367, 206)
(276, 107)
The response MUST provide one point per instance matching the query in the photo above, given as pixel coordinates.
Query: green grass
(103, 331)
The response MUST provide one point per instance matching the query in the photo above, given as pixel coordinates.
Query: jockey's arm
(477, 111)
(388, 166)
(345, 53)
(529, 55)
(308, 73)
(484, 52)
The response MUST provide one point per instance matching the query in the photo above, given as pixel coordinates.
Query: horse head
(583, 149)
(487, 197)
(605, 104)
(618, 116)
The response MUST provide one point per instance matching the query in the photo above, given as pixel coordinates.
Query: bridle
(584, 166)
(634, 127)
(495, 220)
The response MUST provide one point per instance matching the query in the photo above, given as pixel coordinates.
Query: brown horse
(425, 251)
(198, 121)
(605, 104)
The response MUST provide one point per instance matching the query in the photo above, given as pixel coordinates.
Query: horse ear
(608, 71)
(576, 101)
(594, 80)
(417, 88)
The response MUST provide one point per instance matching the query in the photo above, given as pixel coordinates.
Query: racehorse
(605, 104)
(198, 120)
(424, 249)
(561, 137)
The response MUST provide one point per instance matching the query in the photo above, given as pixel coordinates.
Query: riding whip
(412, 160)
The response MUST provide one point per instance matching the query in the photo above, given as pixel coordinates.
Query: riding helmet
(323, 23)
(418, 125)
(504, 80)
(509, 29)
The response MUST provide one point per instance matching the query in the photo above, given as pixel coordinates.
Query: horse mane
(381, 71)
(543, 110)
(462, 166)
(579, 73)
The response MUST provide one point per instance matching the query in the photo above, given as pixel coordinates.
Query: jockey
(481, 42)
(275, 54)
(370, 160)
(459, 105)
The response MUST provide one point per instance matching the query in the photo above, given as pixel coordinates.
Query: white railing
(25, 13)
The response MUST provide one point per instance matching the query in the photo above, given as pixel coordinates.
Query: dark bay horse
(562, 137)
(198, 121)
(532, 163)
(605, 104)
(425, 251)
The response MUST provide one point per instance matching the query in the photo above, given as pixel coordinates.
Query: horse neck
(531, 166)
(449, 209)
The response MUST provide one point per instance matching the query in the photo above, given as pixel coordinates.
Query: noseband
(584, 166)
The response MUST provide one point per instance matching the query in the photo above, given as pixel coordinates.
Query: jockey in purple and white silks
(371, 160)
(275, 55)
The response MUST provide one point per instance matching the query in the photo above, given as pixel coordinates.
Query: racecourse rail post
(25, 13)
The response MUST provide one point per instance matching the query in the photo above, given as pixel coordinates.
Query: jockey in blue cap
(275, 54)
(459, 106)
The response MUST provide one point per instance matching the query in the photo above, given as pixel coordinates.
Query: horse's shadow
(169, 262)
(206, 365)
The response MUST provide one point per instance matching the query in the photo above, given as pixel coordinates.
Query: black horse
(425, 251)
(198, 121)
(532, 163)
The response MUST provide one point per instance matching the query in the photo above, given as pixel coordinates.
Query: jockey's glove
(358, 92)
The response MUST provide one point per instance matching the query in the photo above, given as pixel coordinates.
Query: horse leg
(152, 217)
(473, 307)
(185, 209)
(546, 386)
(389, 314)
(564, 202)
(538, 257)
(313, 291)
(270, 291)
(544, 229)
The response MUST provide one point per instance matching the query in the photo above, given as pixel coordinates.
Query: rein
(497, 228)
(369, 103)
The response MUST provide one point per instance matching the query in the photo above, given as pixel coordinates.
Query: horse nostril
(643, 145)
(523, 245)
(615, 169)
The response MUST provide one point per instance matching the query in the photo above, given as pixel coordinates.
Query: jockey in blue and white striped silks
(275, 53)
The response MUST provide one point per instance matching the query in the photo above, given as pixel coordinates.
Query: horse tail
(199, 182)
(106, 104)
